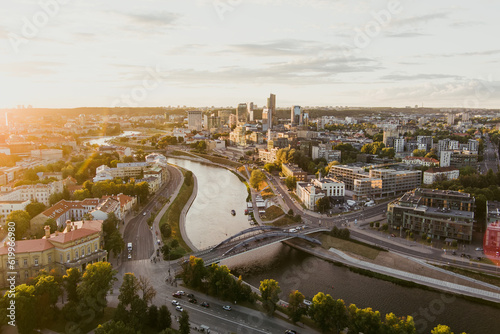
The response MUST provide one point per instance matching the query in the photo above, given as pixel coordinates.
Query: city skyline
(69, 54)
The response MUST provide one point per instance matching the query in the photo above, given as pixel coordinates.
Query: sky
(395, 53)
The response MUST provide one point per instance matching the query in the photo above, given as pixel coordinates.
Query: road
(490, 156)
(137, 230)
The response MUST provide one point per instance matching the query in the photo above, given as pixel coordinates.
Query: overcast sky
(222, 52)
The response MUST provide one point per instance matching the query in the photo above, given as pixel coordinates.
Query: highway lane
(137, 230)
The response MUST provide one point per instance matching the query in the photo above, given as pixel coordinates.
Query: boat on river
(233, 212)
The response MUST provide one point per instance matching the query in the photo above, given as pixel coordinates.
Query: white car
(292, 230)
(129, 256)
(175, 302)
(179, 308)
(226, 307)
(144, 214)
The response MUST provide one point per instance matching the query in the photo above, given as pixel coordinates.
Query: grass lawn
(283, 221)
(243, 171)
(348, 246)
(173, 213)
(267, 193)
(272, 212)
(261, 186)
(60, 325)
(491, 279)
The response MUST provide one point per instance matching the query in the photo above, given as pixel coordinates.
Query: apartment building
(420, 161)
(6, 207)
(34, 192)
(80, 244)
(310, 192)
(291, 170)
(325, 151)
(444, 173)
(268, 156)
(434, 213)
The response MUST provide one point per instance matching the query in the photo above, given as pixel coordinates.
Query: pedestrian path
(435, 283)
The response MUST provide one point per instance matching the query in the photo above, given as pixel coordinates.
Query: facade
(194, 120)
(376, 182)
(326, 151)
(238, 136)
(310, 192)
(435, 213)
(492, 211)
(463, 159)
(446, 173)
(80, 244)
(8, 206)
(425, 140)
(34, 192)
(399, 145)
(241, 113)
(268, 156)
(491, 242)
(293, 171)
(472, 145)
(296, 116)
(420, 161)
(445, 158)
(105, 207)
(64, 210)
(272, 117)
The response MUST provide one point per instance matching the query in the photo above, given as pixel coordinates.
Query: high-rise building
(450, 118)
(194, 120)
(272, 118)
(250, 111)
(425, 140)
(241, 113)
(296, 115)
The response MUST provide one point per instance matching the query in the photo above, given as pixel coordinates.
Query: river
(104, 140)
(209, 218)
(209, 221)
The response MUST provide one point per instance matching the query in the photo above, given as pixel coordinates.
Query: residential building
(472, 145)
(445, 158)
(450, 118)
(194, 120)
(105, 207)
(443, 145)
(293, 171)
(463, 159)
(435, 213)
(420, 161)
(268, 156)
(238, 136)
(399, 145)
(81, 243)
(250, 114)
(440, 173)
(326, 151)
(65, 210)
(425, 140)
(310, 192)
(34, 192)
(6, 207)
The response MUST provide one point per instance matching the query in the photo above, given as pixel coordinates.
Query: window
(25, 262)
(26, 274)
(67, 257)
(88, 249)
(95, 246)
(36, 262)
(76, 254)
(61, 258)
(50, 258)
(83, 251)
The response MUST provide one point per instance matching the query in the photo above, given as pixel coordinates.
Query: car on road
(144, 213)
(290, 331)
(226, 307)
(179, 308)
(193, 300)
(129, 256)
(292, 230)
(479, 249)
(205, 304)
(190, 295)
(177, 294)
(175, 302)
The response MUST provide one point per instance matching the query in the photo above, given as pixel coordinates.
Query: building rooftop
(440, 169)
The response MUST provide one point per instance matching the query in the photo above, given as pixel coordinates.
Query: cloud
(419, 19)
(154, 19)
(408, 77)
(284, 47)
(463, 54)
(30, 69)
(408, 34)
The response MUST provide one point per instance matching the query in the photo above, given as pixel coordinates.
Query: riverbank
(405, 269)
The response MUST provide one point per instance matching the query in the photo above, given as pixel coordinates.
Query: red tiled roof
(71, 235)
(26, 246)
(124, 199)
(63, 206)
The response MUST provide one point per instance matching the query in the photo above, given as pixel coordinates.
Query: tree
(52, 223)
(25, 308)
(129, 289)
(22, 220)
(395, 325)
(328, 313)
(81, 194)
(442, 329)
(295, 308)
(291, 182)
(97, 281)
(114, 327)
(164, 319)
(184, 323)
(419, 153)
(193, 272)
(35, 208)
(269, 290)
(153, 316)
(148, 292)
(47, 291)
(256, 178)
(323, 204)
(364, 320)
(70, 281)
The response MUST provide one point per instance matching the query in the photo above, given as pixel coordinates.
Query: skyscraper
(250, 111)
(272, 118)
(241, 113)
(296, 115)
(194, 120)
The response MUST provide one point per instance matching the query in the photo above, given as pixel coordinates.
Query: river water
(209, 221)
(103, 140)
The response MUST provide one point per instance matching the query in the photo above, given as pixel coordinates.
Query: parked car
(479, 249)
(190, 295)
(144, 213)
(177, 294)
(290, 331)
(226, 307)
(193, 300)
(205, 304)
(175, 302)
(182, 293)
(179, 308)
(129, 256)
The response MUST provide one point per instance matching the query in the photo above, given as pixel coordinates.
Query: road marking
(219, 317)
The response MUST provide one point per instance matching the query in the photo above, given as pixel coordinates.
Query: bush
(372, 224)
(377, 224)
(385, 227)
(166, 230)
